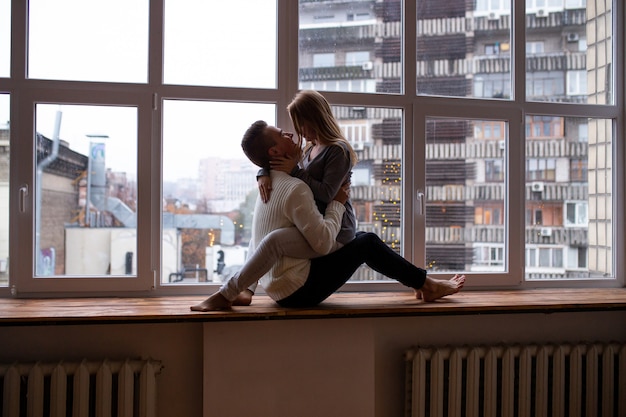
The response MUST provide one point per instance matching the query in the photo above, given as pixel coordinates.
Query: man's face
(285, 144)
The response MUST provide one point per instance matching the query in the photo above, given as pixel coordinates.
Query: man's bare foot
(435, 289)
(215, 302)
(244, 298)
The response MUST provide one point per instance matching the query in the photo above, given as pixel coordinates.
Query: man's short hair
(256, 144)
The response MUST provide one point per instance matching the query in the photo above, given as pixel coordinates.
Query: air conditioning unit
(545, 231)
(572, 37)
(358, 146)
(368, 65)
(502, 144)
(541, 13)
(493, 16)
(536, 186)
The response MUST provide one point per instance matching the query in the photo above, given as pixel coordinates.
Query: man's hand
(265, 187)
(284, 163)
(343, 194)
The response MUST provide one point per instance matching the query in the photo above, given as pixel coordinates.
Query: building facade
(464, 50)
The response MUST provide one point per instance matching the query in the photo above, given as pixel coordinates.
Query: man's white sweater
(292, 204)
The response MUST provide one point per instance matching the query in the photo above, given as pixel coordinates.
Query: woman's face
(309, 134)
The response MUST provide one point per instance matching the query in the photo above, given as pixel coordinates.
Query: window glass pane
(4, 189)
(465, 206)
(376, 192)
(570, 192)
(88, 41)
(350, 46)
(209, 188)
(5, 38)
(86, 190)
(569, 50)
(220, 43)
(464, 48)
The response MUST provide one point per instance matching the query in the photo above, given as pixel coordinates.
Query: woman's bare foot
(435, 289)
(215, 302)
(244, 298)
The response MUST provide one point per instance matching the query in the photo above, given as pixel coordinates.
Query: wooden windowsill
(20, 312)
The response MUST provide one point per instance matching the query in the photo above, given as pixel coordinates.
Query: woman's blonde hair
(311, 108)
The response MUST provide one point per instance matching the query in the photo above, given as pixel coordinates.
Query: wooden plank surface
(377, 304)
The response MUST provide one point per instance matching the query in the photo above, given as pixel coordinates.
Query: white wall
(276, 368)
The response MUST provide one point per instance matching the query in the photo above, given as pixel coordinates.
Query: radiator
(89, 388)
(585, 380)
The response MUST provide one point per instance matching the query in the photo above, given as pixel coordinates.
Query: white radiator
(88, 388)
(585, 380)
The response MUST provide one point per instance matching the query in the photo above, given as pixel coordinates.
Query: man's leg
(281, 242)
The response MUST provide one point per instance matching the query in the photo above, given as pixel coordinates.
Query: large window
(121, 170)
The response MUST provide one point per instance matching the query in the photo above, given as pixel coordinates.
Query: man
(289, 278)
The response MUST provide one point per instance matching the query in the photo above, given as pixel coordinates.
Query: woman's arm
(333, 169)
(264, 182)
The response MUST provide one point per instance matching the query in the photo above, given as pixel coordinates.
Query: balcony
(350, 72)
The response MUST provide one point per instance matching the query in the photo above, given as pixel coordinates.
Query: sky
(112, 46)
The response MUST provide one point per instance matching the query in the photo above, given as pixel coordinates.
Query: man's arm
(319, 231)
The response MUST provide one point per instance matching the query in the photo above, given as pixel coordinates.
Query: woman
(328, 157)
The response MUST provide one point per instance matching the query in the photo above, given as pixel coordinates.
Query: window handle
(23, 195)
(421, 203)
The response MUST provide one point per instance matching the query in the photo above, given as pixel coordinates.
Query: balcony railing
(350, 72)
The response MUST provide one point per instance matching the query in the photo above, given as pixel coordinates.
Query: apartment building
(464, 50)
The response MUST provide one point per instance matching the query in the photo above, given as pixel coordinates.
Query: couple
(292, 242)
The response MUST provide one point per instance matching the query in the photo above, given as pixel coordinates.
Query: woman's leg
(328, 273)
(281, 242)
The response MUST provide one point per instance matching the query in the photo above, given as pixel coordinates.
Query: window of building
(535, 47)
(576, 82)
(493, 6)
(543, 85)
(492, 86)
(488, 256)
(576, 213)
(544, 258)
(544, 127)
(492, 49)
(575, 4)
(494, 170)
(323, 60)
(540, 213)
(540, 169)
(141, 188)
(578, 170)
(358, 58)
(577, 258)
(488, 215)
